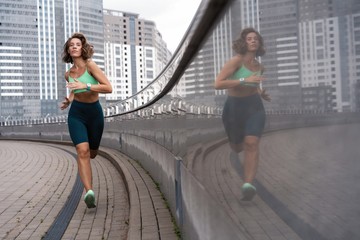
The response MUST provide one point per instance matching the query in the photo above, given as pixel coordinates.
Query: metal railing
(204, 20)
(202, 24)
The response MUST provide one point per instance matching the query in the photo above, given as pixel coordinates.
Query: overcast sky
(172, 17)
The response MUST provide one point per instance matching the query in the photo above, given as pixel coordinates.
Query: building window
(149, 53)
(149, 63)
(150, 74)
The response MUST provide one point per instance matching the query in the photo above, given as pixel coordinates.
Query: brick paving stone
(40, 178)
(37, 184)
(146, 201)
(36, 176)
(310, 172)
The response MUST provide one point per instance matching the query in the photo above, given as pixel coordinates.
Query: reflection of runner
(86, 120)
(243, 113)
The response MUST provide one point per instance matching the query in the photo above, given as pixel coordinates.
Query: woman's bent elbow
(108, 90)
(217, 86)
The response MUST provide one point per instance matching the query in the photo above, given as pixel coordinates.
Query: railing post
(178, 191)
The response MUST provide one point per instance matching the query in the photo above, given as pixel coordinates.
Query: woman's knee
(83, 151)
(251, 143)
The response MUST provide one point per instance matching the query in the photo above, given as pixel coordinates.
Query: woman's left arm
(264, 95)
(262, 92)
(104, 85)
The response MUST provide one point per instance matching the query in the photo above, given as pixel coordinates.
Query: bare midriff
(242, 91)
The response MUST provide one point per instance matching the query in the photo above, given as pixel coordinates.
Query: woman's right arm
(222, 81)
(67, 100)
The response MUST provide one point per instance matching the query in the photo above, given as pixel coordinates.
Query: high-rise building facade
(279, 28)
(246, 14)
(19, 57)
(312, 53)
(328, 49)
(200, 75)
(32, 74)
(348, 13)
(135, 53)
(354, 58)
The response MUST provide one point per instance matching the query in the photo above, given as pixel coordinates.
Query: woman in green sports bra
(85, 80)
(243, 114)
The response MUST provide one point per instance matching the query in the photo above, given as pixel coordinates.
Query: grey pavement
(37, 180)
(307, 184)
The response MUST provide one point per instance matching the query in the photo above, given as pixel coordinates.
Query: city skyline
(304, 70)
(130, 50)
(311, 59)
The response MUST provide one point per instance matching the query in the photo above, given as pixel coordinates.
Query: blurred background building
(135, 52)
(312, 53)
(32, 37)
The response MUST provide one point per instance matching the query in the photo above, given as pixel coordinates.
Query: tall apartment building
(328, 51)
(135, 53)
(348, 14)
(312, 53)
(200, 75)
(32, 74)
(279, 28)
(246, 14)
(19, 76)
(354, 59)
(276, 20)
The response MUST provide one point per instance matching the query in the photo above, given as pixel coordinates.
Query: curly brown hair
(87, 49)
(240, 46)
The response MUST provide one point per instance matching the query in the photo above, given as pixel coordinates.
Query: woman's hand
(254, 79)
(264, 95)
(75, 85)
(65, 103)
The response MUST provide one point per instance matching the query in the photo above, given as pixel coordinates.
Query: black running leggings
(86, 123)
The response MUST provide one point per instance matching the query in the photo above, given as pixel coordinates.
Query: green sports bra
(244, 72)
(85, 78)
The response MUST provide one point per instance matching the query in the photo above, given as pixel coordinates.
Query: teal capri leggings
(86, 123)
(243, 116)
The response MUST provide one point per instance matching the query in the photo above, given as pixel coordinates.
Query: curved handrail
(201, 25)
(206, 16)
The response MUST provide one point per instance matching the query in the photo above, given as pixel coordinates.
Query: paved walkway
(307, 189)
(38, 191)
(307, 184)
